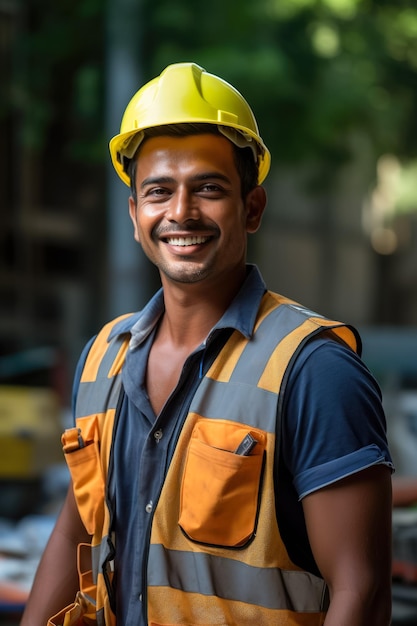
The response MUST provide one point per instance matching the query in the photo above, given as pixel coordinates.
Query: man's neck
(191, 311)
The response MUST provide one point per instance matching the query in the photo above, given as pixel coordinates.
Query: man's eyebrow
(163, 180)
(210, 176)
(156, 180)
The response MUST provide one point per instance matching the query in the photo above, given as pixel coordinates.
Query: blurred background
(333, 84)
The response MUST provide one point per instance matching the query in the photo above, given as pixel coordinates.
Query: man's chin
(186, 276)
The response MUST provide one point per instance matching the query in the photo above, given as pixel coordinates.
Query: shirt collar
(240, 315)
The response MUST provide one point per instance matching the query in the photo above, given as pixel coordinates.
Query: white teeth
(186, 241)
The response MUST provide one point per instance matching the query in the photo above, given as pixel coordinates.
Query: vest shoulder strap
(96, 362)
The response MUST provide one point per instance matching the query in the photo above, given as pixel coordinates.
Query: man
(230, 463)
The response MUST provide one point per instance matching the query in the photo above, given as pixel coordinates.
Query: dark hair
(246, 166)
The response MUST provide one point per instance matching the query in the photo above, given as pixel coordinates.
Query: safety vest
(216, 555)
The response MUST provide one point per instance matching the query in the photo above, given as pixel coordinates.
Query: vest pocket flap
(220, 486)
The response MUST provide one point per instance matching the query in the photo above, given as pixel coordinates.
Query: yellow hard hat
(186, 93)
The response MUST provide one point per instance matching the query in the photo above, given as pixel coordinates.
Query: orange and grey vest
(215, 556)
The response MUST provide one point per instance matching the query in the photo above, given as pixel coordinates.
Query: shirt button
(158, 435)
(148, 507)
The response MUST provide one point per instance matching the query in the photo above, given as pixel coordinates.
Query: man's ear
(133, 217)
(255, 204)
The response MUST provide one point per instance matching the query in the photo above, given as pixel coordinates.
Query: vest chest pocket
(83, 459)
(220, 486)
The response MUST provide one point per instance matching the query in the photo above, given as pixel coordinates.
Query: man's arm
(56, 580)
(349, 528)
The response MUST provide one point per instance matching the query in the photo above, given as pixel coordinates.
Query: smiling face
(190, 218)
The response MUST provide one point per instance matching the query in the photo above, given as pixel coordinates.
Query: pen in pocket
(246, 445)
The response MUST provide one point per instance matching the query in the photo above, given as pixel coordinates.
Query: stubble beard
(185, 274)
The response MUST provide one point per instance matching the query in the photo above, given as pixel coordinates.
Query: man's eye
(157, 192)
(210, 188)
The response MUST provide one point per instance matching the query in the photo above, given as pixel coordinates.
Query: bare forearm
(56, 581)
(55, 584)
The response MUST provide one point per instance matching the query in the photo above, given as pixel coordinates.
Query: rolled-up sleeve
(334, 423)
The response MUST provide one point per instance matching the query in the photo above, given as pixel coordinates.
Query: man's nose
(183, 206)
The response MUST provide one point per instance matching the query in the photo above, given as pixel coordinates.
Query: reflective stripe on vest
(252, 585)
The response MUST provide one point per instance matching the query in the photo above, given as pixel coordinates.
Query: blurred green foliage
(56, 78)
(313, 70)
